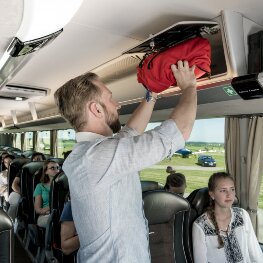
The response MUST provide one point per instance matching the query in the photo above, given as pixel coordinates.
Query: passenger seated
(15, 196)
(175, 183)
(3, 176)
(69, 236)
(3, 155)
(41, 193)
(224, 233)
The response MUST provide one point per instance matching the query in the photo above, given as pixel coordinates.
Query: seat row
(170, 218)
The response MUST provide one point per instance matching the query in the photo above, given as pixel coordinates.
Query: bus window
(43, 142)
(203, 155)
(66, 140)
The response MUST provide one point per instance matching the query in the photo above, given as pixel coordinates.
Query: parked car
(206, 160)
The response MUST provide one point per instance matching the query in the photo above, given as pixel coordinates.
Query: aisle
(20, 254)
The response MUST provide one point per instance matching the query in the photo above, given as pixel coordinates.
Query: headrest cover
(155, 72)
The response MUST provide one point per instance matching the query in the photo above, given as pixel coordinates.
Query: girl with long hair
(224, 233)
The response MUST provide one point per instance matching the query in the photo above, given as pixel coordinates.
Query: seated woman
(4, 176)
(68, 233)
(15, 196)
(224, 233)
(41, 193)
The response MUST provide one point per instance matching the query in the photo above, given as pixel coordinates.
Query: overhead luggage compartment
(227, 35)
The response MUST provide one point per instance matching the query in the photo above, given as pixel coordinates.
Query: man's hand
(184, 75)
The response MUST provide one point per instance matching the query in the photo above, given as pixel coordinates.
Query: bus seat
(60, 161)
(150, 185)
(28, 153)
(14, 169)
(24, 216)
(59, 193)
(59, 189)
(199, 199)
(36, 234)
(166, 214)
(6, 238)
(29, 180)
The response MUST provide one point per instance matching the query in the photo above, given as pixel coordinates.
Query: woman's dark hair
(10, 156)
(174, 180)
(44, 177)
(211, 208)
(37, 154)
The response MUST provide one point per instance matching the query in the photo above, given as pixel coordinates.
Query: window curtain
(244, 160)
(14, 140)
(54, 143)
(22, 141)
(254, 165)
(35, 142)
(232, 151)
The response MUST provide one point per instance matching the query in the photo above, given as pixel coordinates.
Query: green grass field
(195, 178)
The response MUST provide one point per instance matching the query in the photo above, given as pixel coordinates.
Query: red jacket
(156, 74)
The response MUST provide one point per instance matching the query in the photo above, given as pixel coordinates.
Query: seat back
(59, 190)
(150, 185)
(14, 169)
(6, 238)
(166, 214)
(28, 182)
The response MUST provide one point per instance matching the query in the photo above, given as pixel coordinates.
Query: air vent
(23, 91)
(16, 98)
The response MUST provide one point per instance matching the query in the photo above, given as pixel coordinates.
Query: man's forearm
(184, 113)
(141, 116)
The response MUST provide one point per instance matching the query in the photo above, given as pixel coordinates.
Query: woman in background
(41, 193)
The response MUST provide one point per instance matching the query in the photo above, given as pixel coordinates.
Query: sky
(205, 130)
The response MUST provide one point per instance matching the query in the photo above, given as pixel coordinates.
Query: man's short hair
(72, 97)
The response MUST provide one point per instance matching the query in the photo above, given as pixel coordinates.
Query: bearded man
(103, 167)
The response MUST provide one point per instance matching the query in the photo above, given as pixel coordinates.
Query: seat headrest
(32, 167)
(160, 206)
(150, 185)
(62, 180)
(199, 199)
(5, 222)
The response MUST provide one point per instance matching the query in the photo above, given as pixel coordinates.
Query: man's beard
(115, 125)
(112, 121)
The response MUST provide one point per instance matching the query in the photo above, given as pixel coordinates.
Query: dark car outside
(206, 160)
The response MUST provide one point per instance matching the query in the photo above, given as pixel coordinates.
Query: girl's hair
(211, 208)
(44, 177)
